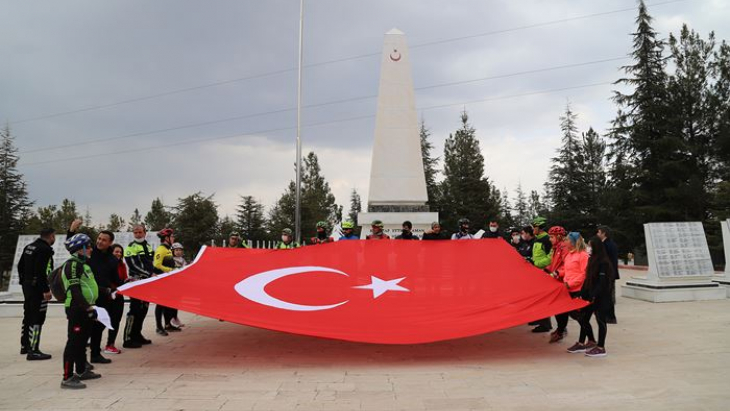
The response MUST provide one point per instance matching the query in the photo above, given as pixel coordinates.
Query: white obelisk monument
(397, 181)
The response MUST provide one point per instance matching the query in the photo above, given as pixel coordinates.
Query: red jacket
(558, 255)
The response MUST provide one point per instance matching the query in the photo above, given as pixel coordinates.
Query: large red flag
(392, 292)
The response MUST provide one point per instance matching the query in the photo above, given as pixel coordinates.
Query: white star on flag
(380, 286)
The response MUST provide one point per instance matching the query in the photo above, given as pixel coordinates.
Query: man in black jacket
(104, 266)
(35, 264)
(407, 232)
(436, 233)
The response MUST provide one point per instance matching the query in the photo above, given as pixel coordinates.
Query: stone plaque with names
(678, 250)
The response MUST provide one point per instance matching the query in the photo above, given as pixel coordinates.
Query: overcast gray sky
(69, 56)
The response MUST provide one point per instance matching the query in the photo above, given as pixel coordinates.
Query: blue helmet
(77, 242)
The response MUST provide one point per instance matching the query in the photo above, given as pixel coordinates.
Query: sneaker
(110, 349)
(541, 329)
(143, 341)
(89, 366)
(172, 328)
(73, 383)
(38, 356)
(576, 348)
(99, 359)
(556, 336)
(131, 344)
(177, 323)
(161, 332)
(24, 351)
(596, 352)
(89, 375)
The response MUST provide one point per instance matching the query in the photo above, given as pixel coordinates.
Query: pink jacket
(574, 270)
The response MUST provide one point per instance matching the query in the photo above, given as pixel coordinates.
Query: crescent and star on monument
(395, 55)
(253, 287)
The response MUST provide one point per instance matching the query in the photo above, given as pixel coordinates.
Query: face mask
(493, 229)
(138, 240)
(589, 250)
(516, 239)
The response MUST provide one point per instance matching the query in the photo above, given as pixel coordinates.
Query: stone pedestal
(393, 222)
(680, 267)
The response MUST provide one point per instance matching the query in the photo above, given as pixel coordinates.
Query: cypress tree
(429, 165)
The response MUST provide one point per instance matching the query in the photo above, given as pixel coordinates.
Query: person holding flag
(463, 233)
(287, 240)
(164, 263)
(322, 237)
(348, 231)
(377, 231)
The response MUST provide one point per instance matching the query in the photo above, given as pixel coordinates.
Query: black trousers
(166, 312)
(97, 328)
(34, 316)
(585, 324)
(562, 319)
(135, 319)
(116, 310)
(74, 356)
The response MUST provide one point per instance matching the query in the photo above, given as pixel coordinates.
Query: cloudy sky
(114, 103)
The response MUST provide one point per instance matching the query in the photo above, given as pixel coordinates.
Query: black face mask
(464, 229)
(406, 232)
(321, 235)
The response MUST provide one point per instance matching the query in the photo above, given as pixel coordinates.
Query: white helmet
(177, 246)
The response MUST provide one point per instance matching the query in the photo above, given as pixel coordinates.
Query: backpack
(55, 283)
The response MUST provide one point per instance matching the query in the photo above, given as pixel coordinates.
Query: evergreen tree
(318, 202)
(14, 203)
(522, 212)
(536, 206)
(648, 162)
(158, 217)
(593, 190)
(355, 206)
(506, 218)
(465, 191)
(135, 219)
(196, 221)
(566, 176)
(116, 223)
(429, 165)
(281, 215)
(250, 219)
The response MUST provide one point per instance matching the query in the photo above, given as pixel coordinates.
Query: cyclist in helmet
(139, 258)
(81, 293)
(287, 240)
(164, 262)
(377, 231)
(348, 230)
(541, 258)
(463, 233)
(322, 236)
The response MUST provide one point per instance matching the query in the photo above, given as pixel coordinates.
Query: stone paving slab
(671, 356)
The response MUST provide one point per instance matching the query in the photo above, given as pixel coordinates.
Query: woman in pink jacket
(572, 275)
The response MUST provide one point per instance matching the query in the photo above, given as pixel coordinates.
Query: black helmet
(463, 221)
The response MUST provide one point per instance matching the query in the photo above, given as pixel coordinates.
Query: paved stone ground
(672, 356)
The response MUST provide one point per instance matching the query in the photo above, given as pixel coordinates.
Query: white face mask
(516, 239)
(589, 250)
(139, 240)
(493, 229)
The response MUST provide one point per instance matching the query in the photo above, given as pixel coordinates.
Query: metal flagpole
(298, 212)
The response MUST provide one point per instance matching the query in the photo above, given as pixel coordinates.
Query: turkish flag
(391, 292)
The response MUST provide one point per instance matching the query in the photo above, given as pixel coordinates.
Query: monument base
(393, 222)
(724, 283)
(640, 288)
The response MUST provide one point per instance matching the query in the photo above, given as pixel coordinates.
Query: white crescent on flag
(252, 288)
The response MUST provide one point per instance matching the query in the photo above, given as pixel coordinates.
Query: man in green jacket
(81, 294)
(541, 258)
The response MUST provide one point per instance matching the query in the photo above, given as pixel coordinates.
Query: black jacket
(105, 268)
(408, 236)
(524, 247)
(35, 264)
(434, 236)
(612, 251)
(597, 286)
(489, 234)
